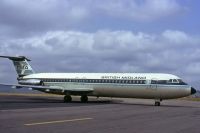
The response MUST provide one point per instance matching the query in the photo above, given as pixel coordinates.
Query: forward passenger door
(153, 84)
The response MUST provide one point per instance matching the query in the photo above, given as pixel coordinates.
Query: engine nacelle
(30, 82)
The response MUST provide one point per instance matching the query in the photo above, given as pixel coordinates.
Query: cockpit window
(170, 81)
(175, 81)
(181, 82)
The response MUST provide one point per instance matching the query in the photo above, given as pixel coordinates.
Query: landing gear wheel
(41, 83)
(67, 98)
(84, 98)
(157, 103)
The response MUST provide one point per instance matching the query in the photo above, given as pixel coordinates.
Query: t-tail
(21, 65)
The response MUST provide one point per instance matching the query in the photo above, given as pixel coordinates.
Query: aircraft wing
(52, 89)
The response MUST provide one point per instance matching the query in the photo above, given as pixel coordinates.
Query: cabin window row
(96, 81)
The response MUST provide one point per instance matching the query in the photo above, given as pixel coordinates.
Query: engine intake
(30, 82)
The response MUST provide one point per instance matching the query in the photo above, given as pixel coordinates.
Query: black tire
(67, 98)
(84, 99)
(157, 103)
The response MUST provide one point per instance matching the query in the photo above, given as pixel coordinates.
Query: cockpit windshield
(173, 81)
(170, 81)
(181, 82)
(176, 81)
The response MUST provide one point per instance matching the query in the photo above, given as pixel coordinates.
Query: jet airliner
(157, 86)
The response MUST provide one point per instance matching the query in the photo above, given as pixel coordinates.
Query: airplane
(156, 86)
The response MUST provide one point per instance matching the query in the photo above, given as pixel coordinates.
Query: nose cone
(193, 91)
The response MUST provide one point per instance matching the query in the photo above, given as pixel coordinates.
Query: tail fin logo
(25, 67)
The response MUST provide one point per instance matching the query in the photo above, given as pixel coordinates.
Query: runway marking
(59, 121)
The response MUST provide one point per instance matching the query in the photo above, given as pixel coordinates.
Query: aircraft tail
(21, 65)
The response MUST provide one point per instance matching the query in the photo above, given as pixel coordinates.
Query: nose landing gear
(157, 102)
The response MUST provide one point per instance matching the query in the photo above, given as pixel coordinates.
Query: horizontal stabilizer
(16, 58)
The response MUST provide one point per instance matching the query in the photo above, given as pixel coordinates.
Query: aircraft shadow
(13, 102)
(43, 102)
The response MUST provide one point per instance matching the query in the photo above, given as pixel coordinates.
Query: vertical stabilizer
(21, 65)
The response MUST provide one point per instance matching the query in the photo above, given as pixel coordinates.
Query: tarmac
(39, 114)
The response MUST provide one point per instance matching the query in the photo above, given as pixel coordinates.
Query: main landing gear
(84, 98)
(68, 98)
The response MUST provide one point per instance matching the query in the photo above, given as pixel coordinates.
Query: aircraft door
(153, 84)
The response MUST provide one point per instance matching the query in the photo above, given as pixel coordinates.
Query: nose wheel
(67, 98)
(157, 102)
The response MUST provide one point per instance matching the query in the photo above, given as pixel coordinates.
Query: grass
(191, 98)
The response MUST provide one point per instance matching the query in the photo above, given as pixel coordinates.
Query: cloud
(171, 51)
(123, 49)
(147, 10)
(177, 37)
(193, 68)
(27, 18)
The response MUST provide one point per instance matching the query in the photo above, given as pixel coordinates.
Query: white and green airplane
(157, 86)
